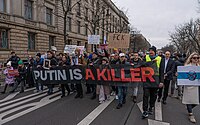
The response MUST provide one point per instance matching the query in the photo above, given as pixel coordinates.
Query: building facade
(31, 26)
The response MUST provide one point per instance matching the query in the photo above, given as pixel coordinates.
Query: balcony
(4, 16)
(30, 22)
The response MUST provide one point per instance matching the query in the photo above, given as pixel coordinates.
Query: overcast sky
(156, 18)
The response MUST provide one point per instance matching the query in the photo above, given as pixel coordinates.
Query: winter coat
(22, 73)
(14, 61)
(9, 79)
(105, 85)
(191, 94)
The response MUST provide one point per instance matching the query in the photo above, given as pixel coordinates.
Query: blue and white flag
(188, 75)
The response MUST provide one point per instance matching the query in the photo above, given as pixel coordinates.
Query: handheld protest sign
(46, 64)
(13, 72)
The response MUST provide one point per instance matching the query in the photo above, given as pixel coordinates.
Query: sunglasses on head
(195, 57)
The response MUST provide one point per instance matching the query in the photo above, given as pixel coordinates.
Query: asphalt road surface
(30, 108)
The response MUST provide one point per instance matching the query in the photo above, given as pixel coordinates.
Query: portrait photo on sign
(46, 64)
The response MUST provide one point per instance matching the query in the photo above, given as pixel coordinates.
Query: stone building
(31, 26)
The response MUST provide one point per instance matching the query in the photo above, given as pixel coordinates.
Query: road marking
(33, 106)
(158, 114)
(158, 111)
(21, 102)
(140, 106)
(12, 95)
(25, 97)
(154, 122)
(89, 118)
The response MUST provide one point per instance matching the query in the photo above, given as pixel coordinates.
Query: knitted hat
(20, 62)
(53, 48)
(105, 58)
(38, 54)
(153, 48)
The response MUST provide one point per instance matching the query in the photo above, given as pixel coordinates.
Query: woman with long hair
(191, 94)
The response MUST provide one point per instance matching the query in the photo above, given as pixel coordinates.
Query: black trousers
(94, 86)
(166, 89)
(63, 86)
(79, 89)
(149, 98)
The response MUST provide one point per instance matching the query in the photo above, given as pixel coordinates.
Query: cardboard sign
(70, 49)
(188, 75)
(118, 40)
(93, 39)
(13, 72)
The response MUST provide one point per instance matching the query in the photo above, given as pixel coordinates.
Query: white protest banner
(70, 49)
(93, 39)
(81, 48)
(188, 75)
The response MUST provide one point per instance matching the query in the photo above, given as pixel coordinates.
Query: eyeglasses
(195, 57)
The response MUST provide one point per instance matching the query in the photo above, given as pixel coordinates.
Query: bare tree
(66, 8)
(169, 47)
(186, 37)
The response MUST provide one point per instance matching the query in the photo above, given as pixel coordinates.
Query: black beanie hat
(153, 48)
(38, 54)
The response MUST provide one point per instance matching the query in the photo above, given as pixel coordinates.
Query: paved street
(39, 109)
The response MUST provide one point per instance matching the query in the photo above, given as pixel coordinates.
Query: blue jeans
(122, 91)
(190, 107)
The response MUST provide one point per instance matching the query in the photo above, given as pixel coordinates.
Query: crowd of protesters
(165, 65)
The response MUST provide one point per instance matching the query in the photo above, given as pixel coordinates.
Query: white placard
(81, 48)
(188, 75)
(93, 39)
(70, 49)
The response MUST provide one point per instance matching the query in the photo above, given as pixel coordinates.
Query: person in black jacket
(136, 61)
(21, 78)
(122, 90)
(96, 61)
(65, 62)
(178, 62)
(166, 75)
(53, 64)
(14, 60)
(38, 63)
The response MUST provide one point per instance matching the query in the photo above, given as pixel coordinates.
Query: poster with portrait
(46, 64)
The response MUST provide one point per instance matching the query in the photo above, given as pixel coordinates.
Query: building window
(2, 6)
(78, 27)
(79, 9)
(51, 41)
(49, 16)
(78, 43)
(3, 39)
(28, 9)
(86, 13)
(86, 29)
(69, 42)
(69, 23)
(69, 4)
(97, 31)
(31, 41)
